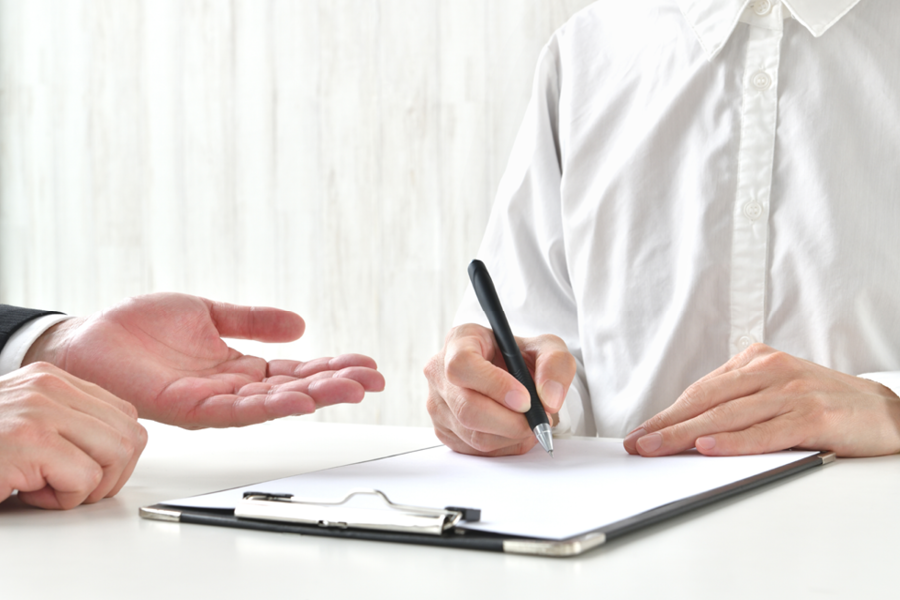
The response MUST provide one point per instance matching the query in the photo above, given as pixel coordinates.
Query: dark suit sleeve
(12, 318)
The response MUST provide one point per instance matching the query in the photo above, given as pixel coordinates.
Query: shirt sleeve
(27, 328)
(524, 247)
(889, 379)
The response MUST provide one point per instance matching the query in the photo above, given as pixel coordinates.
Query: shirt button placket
(762, 7)
(749, 253)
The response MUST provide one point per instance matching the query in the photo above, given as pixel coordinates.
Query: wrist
(50, 346)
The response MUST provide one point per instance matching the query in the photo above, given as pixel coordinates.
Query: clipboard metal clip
(355, 511)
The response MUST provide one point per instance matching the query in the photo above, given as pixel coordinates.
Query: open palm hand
(164, 353)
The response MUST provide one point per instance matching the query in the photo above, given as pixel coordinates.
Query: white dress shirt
(692, 177)
(15, 349)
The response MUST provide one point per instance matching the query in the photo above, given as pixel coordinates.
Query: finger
(701, 394)
(255, 323)
(369, 379)
(739, 360)
(698, 399)
(294, 368)
(777, 434)
(297, 398)
(52, 379)
(125, 475)
(466, 366)
(230, 410)
(114, 448)
(461, 438)
(554, 369)
(68, 476)
(473, 414)
(326, 389)
(735, 415)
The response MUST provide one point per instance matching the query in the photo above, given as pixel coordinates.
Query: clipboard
(384, 517)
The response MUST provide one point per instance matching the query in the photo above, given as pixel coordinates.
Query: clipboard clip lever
(354, 511)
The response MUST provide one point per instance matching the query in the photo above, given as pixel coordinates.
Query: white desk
(831, 532)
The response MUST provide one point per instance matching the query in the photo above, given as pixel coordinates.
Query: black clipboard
(264, 508)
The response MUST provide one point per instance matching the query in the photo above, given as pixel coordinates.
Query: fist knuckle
(48, 380)
(41, 367)
(93, 477)
(34, 405)
(141, 438)
(125, 449)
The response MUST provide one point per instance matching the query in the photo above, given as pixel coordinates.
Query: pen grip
(516, 366)
(506, 341)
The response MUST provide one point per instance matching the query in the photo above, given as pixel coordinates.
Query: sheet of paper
(588, 483)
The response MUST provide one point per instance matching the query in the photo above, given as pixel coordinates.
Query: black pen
(490, 303)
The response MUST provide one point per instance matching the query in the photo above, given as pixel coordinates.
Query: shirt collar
(713, 21)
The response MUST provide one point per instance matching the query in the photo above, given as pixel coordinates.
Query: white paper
(589, 483)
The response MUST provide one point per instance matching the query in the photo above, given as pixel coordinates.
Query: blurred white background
(337, 158)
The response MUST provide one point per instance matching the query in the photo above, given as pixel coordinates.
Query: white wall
(335, 157)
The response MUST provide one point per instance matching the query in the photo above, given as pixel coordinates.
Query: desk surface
(830, 532)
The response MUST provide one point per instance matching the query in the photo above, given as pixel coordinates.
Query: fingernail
(705, 443)
(637, 433)
(552, 394)
(518, 400)
(650, 442)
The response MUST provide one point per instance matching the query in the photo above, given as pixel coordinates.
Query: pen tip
(551, 453)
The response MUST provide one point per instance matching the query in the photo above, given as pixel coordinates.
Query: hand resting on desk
(763, 400)
(64, 441)
(164, 354)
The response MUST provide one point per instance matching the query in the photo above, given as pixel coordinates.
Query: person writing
(69, 401)
(696, 236)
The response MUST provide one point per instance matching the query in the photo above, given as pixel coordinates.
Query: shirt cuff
(12, 354)
(889, 379)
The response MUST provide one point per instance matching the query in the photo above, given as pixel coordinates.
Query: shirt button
(744, 342)
(762, 7)
(753, 210)
(761, 80)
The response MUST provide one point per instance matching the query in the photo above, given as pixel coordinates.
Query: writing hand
(476, 405)
(64, 441)
(164, 353)
(763, 400)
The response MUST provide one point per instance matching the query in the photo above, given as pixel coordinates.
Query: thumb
(554, 368)
(256, 323)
